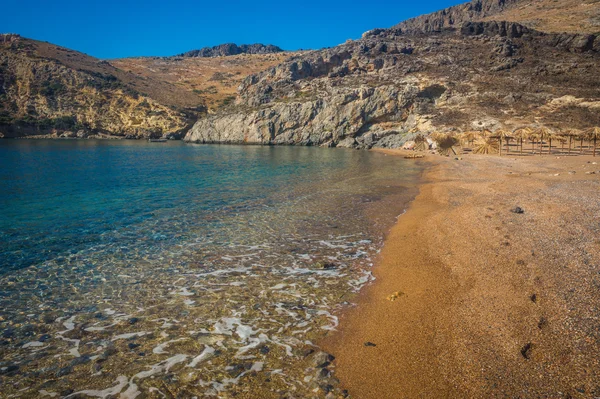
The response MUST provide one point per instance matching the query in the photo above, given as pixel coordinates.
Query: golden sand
(473, 300)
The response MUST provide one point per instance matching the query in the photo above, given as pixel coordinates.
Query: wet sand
(490, 303)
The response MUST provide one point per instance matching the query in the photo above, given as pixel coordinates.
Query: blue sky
(113, 28)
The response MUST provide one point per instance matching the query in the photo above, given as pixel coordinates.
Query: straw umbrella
(469, 137)
(502, 134)
(593, 135)
(582, 136)
(570, 133)
(445, 142)
(551, 134)
(562, 137)
(487, 145)
(421, 143)
(521, 133)
(543, 132)
(533, 136)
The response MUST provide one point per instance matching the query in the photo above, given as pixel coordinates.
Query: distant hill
(51, 91)
(213, 79)
(228, 49)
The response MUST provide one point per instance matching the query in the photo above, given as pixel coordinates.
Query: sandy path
(492, 303)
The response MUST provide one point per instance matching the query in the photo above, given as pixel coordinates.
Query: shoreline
(473, 300)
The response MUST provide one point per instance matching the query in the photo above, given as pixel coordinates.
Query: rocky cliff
(78, 97)
(228, 49)
(570, 16)
(393, 82)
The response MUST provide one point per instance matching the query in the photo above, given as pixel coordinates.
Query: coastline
(489, 303)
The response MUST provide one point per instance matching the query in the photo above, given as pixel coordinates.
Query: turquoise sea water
(209, 268)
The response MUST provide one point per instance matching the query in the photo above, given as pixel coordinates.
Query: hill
(214, 80)
(447, 71)
(51, 91)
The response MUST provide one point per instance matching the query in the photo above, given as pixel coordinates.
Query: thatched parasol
(522, 133)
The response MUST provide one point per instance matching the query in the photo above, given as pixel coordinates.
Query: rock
(44, 337)
(526, 350)
(517, 210)
(9, 370)
(321, 358)
(324, 265)
(64, 371)
(369, 343)
(395, 296)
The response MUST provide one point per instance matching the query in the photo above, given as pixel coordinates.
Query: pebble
(64, 371)
(321, 358)
(369, 343)
(526, 350)
(518, 210)
(395, 296)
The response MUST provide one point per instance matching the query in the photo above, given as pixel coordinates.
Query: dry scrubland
(214, 80)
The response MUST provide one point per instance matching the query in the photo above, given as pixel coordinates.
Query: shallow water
(136, 269)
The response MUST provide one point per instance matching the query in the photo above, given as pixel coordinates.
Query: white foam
(33, 344)
(163, 366)
(130, 335)
(161, 347)
(205, 355)
(121, 383)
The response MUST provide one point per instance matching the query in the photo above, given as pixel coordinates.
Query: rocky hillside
(565, 16)
(213, 80)
(227, 49)
(420, 76)
(52, 91)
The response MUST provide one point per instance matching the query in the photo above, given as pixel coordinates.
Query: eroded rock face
(41, 96)
(379, 90)
(346, 118)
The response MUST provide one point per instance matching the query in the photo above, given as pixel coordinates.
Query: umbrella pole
(521, 150)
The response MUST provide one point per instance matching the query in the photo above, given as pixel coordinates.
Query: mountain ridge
(228, 49)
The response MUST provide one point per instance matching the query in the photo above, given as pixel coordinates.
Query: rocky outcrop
(381, 89)
(227, 49)
(42, 96)
(345, 118)
(454, 17)
(578, 43)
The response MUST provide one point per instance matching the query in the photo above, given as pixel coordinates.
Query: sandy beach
(474, 298)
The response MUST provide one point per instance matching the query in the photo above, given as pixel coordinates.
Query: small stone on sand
(395, 296)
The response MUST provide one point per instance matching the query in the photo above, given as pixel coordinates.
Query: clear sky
(125, 28)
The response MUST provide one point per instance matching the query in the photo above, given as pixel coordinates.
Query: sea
(173, 270)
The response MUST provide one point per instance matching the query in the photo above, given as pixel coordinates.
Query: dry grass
(210, 80)
(572, 16)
